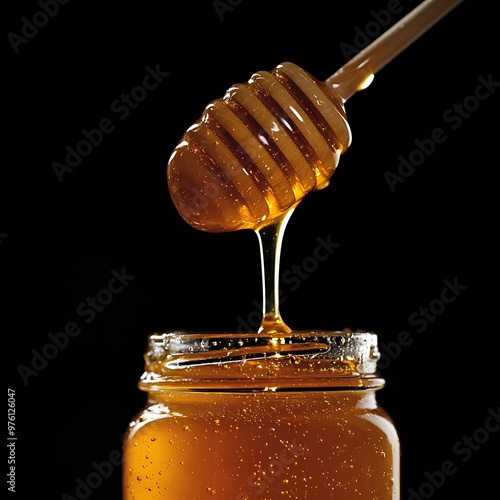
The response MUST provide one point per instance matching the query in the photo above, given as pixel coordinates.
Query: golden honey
(253, 416)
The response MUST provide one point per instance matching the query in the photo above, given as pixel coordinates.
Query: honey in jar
(243, 416)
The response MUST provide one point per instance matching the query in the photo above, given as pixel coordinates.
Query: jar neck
(174, 402)
(298, 361)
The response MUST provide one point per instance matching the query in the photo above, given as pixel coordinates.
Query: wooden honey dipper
(254, 154)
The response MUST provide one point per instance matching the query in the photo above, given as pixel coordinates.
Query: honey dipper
(255, 153)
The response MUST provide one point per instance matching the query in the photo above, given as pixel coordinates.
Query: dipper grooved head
(255, 153)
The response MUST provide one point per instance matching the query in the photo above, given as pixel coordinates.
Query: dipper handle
(359, 71)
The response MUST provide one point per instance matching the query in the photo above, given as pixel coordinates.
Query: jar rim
(176, 357)
(183, 348)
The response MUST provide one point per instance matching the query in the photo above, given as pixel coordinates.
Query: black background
(61, 240)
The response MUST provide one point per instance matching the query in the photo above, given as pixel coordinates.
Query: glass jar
(243, 416)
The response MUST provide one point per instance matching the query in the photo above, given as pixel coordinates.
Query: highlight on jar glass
(244, 416)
